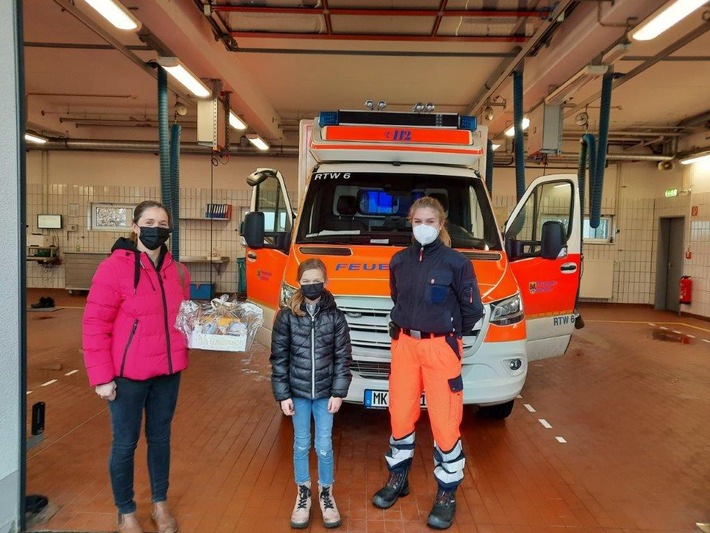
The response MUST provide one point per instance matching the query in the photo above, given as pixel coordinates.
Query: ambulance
(360, 173)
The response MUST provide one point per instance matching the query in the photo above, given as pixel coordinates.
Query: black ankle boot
(442, 514)
(397, 485)
(40, 304)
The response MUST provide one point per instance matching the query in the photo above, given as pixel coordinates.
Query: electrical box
(211, 123)
(545, 131)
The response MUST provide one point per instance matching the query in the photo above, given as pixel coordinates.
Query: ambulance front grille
(371, 370)
(368, 318)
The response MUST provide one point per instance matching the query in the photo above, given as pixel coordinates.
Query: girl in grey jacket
(310, 358)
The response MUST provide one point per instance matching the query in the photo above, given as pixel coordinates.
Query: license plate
(379, 399)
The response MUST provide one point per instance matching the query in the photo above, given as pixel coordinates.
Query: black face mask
(313, 291)
(153, 238)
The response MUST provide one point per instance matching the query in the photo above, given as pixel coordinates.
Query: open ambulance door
(543, 244)
(267, 231)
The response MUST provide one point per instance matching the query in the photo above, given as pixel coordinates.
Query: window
(600, 235)
(111, 217)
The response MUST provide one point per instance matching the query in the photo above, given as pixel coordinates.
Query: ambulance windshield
(371, 208)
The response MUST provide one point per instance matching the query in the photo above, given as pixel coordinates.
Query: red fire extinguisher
(686, 290)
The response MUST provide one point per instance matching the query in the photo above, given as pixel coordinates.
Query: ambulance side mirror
(253, 229)
(554, 239)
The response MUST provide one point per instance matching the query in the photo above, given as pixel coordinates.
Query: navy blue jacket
(434, 289)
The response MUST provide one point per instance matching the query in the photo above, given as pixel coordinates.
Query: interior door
(671, 234)
(265, 265)
(548, 285)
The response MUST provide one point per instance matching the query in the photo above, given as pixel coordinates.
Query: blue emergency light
(387, 118)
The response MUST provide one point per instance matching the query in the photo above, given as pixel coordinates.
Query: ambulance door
(267, 253)
(543, 244)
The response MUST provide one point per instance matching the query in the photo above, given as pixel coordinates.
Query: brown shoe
(163, 518)
(301, 515)
(128, 523)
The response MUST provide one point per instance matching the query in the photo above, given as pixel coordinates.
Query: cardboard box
(201, 291)
(222, 343)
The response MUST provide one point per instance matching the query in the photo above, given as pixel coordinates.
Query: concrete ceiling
(286, 60)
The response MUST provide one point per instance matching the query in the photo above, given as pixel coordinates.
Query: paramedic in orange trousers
(436, 300)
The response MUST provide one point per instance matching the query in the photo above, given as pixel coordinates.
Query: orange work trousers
(429, 365)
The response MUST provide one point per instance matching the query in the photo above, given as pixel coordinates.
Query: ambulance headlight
(507, 311)
(286, 294)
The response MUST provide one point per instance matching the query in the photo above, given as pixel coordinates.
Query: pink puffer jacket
(128, 327)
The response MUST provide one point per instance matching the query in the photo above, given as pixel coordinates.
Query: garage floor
(631, 401)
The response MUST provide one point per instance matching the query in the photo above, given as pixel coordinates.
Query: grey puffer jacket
(311, 356)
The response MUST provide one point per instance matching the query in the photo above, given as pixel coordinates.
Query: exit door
(669, 265)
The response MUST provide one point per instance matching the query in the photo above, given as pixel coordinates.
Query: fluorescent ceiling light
(665, 18)
(510, 132)
(187, 79)
(115, 13)
(495, 146)
(257, 141)
(236, 122)
(699, 157)
(36, 139)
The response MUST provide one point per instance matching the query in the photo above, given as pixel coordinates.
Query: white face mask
(425, 234)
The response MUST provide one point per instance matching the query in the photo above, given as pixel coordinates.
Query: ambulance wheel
(498, 412)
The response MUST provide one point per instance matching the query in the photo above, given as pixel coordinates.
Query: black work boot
(442, 514)
(40, 304)
(397, 485)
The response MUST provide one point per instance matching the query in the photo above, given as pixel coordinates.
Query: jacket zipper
(165, 318)
(313, 356)
(128, 345)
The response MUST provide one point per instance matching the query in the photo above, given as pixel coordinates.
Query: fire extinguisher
(686, 290)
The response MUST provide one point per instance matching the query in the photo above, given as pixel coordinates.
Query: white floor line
(28, 392)
(545, 423)
(706, 340)
(561, 440)
(651, 323)
(690, 336)
(529, 408)
(72, 372)
(48, 382)
(663, 327)
(676, 332)
(519, 397)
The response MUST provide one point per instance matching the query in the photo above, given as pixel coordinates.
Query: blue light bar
(328, 118)
(468, 123)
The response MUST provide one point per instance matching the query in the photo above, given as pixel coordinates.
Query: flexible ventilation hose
(175, 131)
(163, 140)
(588, 151)
(489, 167)
(595, 187)
(518, 123)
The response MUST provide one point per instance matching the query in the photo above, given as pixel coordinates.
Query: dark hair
(433, 203)
(297, 298)
(148, 204)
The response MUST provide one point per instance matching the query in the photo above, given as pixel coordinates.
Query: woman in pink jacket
(134, 356)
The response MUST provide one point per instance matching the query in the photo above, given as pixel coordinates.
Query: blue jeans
(304, 408)
(157, 397)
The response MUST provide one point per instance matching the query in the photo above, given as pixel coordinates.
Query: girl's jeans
(318, 409)
(158, 397)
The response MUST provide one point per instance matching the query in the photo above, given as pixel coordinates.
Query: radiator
(597, 279)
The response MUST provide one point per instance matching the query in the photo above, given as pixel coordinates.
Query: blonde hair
(297, 298)
(432, 203)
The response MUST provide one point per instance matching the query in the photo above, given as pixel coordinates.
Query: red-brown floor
(634, 411)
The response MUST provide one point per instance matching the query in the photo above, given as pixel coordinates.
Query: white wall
(10, 272)
(67, 183)
(633, 195)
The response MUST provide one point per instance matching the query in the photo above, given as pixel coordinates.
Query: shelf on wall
(217, 263)
(206, 219)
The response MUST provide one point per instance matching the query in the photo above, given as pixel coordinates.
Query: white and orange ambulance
(361, 171)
